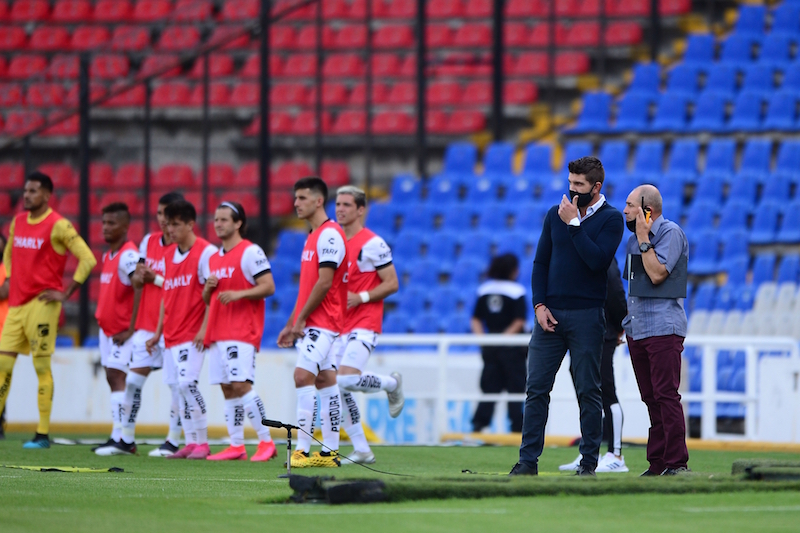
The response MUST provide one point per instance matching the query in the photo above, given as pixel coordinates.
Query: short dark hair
(503, 267)
(118, 207)
(181, 210)
(237, 213)
(589, 166)
(42, 178)
(313, 183)
(170, 197)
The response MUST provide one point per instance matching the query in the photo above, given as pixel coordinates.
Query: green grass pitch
(178, 496)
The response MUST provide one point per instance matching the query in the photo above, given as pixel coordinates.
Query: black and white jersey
(499, 303)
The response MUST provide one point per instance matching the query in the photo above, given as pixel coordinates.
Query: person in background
(501, 309)
(3, 313)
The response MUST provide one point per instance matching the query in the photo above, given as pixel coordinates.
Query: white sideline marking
(295, 510)
(753, 509)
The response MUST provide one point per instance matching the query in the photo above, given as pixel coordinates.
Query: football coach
(578, 242)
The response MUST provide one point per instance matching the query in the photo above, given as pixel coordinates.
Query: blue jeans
(581, 332)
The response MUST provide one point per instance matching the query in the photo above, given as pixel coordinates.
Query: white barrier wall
(81, 394)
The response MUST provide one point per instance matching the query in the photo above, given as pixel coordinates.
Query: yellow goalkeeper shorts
(31, 328)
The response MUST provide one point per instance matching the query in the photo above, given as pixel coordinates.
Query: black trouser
(609, 390)
(503, 369)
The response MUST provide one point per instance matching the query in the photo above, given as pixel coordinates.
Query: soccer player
(116, 315)
(184, 318)
(239, 278)
(371, 277)
(150, 277)
(315, 322)
(37, 246)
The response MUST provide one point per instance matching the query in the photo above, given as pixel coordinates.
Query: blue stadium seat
(458, 218)
(407, 246)
(405, 189)
(92, 341)
(756, 158)
(720, 157)
(709, 113)
(427, 322)
(751, 20)
(759, 78)
(460, 158)
(646, 79)
(495, 217)
(538, 159)
(789, 231)
(682, 162)
(468, 270)
(788, 160)
(671, 190)
(482, 190)
(457, 323)
(737, 273)
(499, 158)
(738, 49)
(734, 246)
(417, 217)
(704, 254)
(746, 297)
(64, 341)
(737, 382)
(776, 189)
(670, 113)
(725, 298)
(648, 162)
(704, 296)
(291, 243)
(595, 113)
(575, 150)
(701, 215)
(283, 270)
(721, 79)
(442, 246)
(791, 78)
(383, 215)
(765, 223)
(709, 188)
(764, 268)
(743, 190)
(682, 80)
(733, 218)
(700, 49)
(511, 243)
(286, 300)
(444, 301)
(532, 217)
(672, 209)
(633, 113)
(396, 322)
(445, 189)
(614, 155)
(786, 20)
(413, 299)
(518, 187)
(789, 268)
(747, 112)
(475, 245)
(776, 49)
(781, 111)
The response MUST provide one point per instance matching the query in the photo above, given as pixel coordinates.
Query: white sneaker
(165, 450)
(396, 399)
(610, 463)
(571, 467)
(362, 458)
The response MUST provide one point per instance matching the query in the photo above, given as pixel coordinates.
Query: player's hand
(199, 340)
(151, 343)
(285, 339)
(212, 282)
(643, 226)
(121, 338)
(568, 210)
(545, 319)
(353, 300)
(138, 274)
(51, 295)
(148, 275)
(227, 297)
(297, 330)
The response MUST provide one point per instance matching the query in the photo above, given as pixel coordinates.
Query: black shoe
(521, 469)
(165, 450)
(647, 472)
(109, 442)
(675, 471)
(117, 448)
(585, 471)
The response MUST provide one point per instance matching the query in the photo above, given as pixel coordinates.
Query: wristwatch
(645, 246)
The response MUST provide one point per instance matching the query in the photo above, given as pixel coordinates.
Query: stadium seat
(192, 11)
(498, 158)
(171, 94)
(240, 10)
(781, 111)
(12, 38)
(776, 50)
(751, 20)
(747, 112)
(764, 268)
(457, 218)
(789, 269)
(129, 176)
(246, 95)
(19, 123)
(350, 122)
(646, 80)
(71, 11)
(443, 93)
(704, 297)
(517, 92)
(174, 176)
(776, 189)
(45, 95)
(343, 66)
(130, 39)
(788, 160)
(12, 176)
(25, 66)
(709, 113)
(393, 37)
(11, 95)
(219, 64)
(29, 11)
(151, 10)
(64, 176)
(734, 246)
(700, 49)
(48, 39)
(743, 190)
(300, 66)
(683, 80)
(473, 35)
(682, 162)
(219, 94)
(113, 11)
(595, 113)
(709, 189)
(670, 113)
(737, 50)
(527, 8)
(178, 38)
(633, 113)
(765, 223)
(720, 157)
(789, 231)
(86, 38)
(233, 37)
(648, 160)
(756, 158)
(786, 20)
(701, 215)
(759, 78)
(481, 190)
(109, 66)
(131, 97)
(460, 158)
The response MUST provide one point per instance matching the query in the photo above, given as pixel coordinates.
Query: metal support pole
(551, 55)
(601, 59)
(368, 106)
(26, 157)
(655, 30)
(84, 155)
(422, 53)
(206, 135)
(264, 156)
(148, 97)
(498, 51)
(318, 103)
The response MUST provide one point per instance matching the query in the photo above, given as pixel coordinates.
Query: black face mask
(631, 225)
(584, 198)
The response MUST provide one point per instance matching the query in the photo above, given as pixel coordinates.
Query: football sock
(616, 424)
(133, 401)
(117, 399)
(197, 409)
(189, 434)
(351, 423)
(255, 411)
(45, 396)
(6, 368)
(174, 435)
(330, 417)
(306, 398)
(234, 418)
(367, 382)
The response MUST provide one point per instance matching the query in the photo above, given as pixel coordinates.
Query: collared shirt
(589, 211)
(652, 317)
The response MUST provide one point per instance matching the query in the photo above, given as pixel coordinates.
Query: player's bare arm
(4, 288)
(152, 342)
(388, 286)
(264, 288)
(120, 338)
(209, 287)
(60, 296)
(318, 293)
(285, 340)
(201, 335)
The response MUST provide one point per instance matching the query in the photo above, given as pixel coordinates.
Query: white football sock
(616, 425)
(306, 412)
(189, 434)
(175, 427)
(330, 416)
(255, 411)
(133, 401)
(351, 423)
(197, 409)
(367, 382)
(117, 400)
(234, 418)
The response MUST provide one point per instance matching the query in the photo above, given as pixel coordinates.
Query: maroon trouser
(657, 365)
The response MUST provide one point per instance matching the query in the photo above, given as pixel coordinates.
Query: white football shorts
(113, 356)
(315, 350)
(231, 361)
(354, 349)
